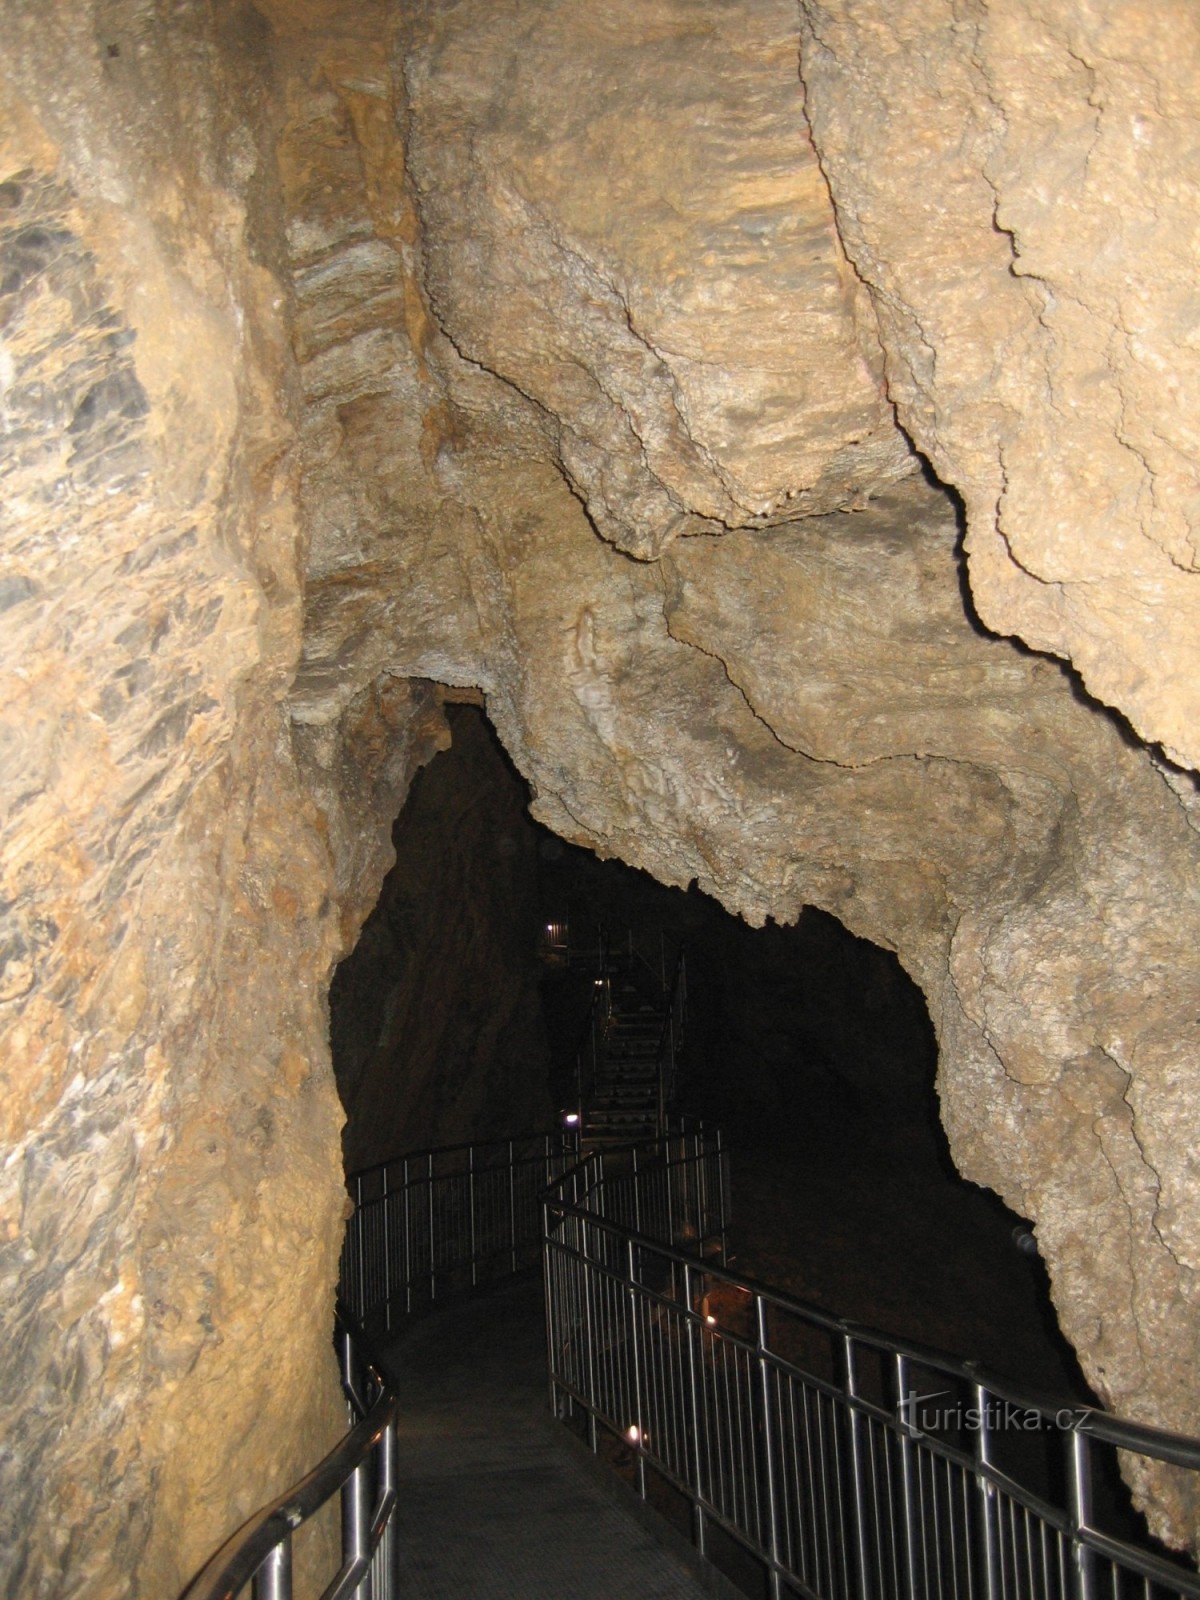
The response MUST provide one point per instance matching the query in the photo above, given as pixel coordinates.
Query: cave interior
(725, 471)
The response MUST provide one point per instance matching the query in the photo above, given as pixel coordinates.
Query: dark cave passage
(810, 1047)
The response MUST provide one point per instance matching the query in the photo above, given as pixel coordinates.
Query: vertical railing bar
(355, 1536)
(408, 1275)
(1079, 1494)
(769, 1427)
(273, 1580)
(797, 1533)
(951, 1523)
(986, 1496)
(937, 1528)
(696, 1460)
(850, 1385)
(360, 1231)
(387, 1257)
(548, 1292)
(590, 1334)
(635, 1354)
(390, 1481)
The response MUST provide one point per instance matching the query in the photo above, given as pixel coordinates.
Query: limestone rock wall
(178, 875)
(674, 291)
(791, 711)
(1017, 186)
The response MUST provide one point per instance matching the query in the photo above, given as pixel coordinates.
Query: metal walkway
(813, 1456)
(491, 1501)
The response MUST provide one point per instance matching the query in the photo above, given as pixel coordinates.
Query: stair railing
(841, 1463)
(671, 1042)
(591, 1046)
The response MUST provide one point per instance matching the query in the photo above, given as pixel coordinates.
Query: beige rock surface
(1033, 870)
(1017, 184)
(211, 525)
(170, 1190)
(625, 219)
(802, 714)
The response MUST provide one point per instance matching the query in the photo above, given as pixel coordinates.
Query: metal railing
(436, 1222)
(361, 1470)
(591, 1045)
(842, 1464)
(425, 1225)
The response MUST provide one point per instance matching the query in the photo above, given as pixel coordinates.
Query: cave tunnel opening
(453, 1020)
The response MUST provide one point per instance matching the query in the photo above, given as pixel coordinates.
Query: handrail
(444, 1240)
(446, 1219)
(836, 1482)
(261, 1548)
(1180, 1449)
(450, 1149)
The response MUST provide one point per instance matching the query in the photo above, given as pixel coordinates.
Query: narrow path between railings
(491, 1502)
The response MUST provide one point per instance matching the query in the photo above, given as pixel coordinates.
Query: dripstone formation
(583, 359)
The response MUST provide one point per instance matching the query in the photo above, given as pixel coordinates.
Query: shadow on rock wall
(435, 1017)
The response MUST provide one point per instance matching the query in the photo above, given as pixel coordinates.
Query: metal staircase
(628, 1060)
(624, 1103)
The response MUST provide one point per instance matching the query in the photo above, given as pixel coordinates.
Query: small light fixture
(633, 1433)
(710, 1319)
(571, 1119)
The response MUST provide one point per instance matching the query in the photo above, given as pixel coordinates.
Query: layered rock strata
(805, 712)
(179, 873)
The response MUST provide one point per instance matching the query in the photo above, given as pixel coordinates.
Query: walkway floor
(491, 1503)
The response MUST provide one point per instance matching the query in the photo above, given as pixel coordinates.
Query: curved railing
(839, 1463)
(360, 1470)
(436, 1222)
(425, 1226)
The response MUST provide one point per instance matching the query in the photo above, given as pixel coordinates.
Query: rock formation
(179, 872)
(1016, 185)
(339, 359)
